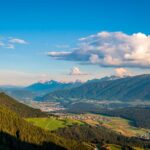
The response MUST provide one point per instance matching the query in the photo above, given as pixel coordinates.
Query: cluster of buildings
(85, 117)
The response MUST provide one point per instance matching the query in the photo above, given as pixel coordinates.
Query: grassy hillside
(52, 123)
(16, 133)
(125, 89)
(19, 108)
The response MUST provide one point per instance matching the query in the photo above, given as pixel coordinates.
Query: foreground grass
(52, 123)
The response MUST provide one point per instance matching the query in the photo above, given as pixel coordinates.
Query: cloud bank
(111, 49)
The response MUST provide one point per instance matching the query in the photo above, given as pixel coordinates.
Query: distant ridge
(129, 88)
(51, 85)
(37, 89)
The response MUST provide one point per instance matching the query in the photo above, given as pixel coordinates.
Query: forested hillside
(19, 108)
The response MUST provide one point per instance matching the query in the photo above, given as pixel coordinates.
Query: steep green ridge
(19, 108)
(125, 89)
(16, 132)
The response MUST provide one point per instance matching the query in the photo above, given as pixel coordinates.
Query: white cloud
(122, 72)
(112, 49)
(17, 41)
(10, 46)
(9, 43)
(76, 71)
(59, 54)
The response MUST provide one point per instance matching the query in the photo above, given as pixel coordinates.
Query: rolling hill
(124, 89)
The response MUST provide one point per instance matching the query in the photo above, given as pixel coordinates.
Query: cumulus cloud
(121, 72)
(76, 71)
(17, 41)
(111, 49)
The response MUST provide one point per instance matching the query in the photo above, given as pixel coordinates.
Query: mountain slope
(128, 88)
(19, 108)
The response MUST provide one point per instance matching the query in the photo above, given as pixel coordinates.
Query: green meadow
(52, 123)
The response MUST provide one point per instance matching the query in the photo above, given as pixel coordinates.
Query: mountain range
(51, 86)
(128, 88)
(37, 89)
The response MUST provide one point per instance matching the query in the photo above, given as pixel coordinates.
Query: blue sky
(56, 25)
